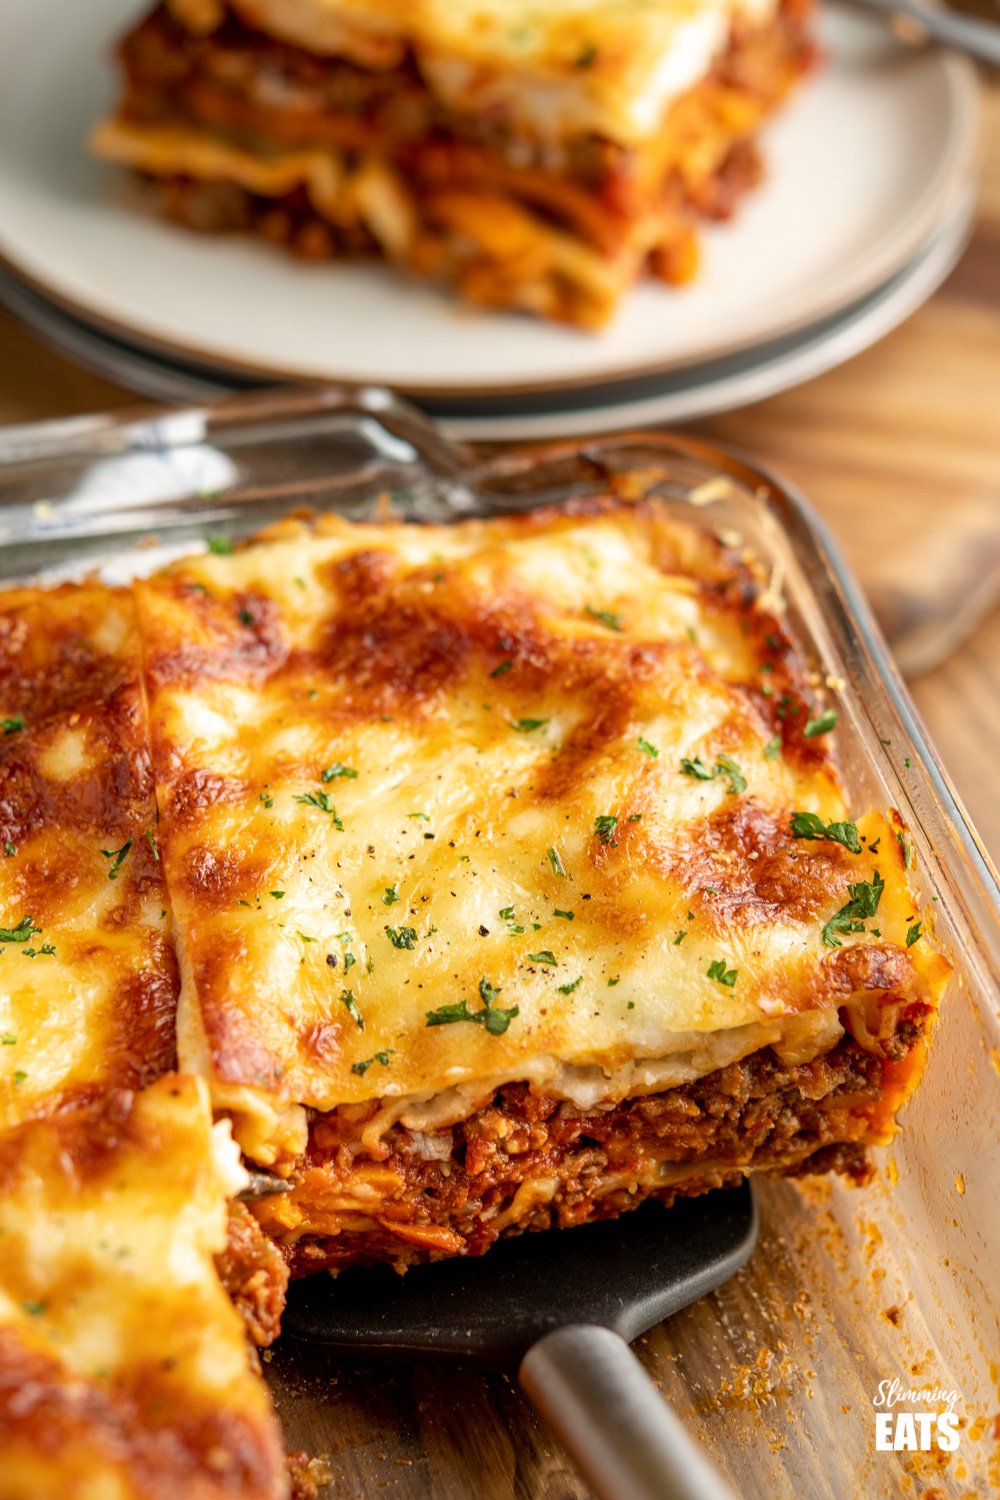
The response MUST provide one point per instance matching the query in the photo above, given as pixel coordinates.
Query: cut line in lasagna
(125, 1368)
(539, 158)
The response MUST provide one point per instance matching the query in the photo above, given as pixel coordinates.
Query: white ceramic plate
(866, 162)
(717, 386)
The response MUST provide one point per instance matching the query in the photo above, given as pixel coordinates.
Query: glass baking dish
(777, 1374)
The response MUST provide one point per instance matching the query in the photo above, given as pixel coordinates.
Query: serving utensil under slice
(564, 1304)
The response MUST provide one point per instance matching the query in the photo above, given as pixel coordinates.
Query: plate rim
(194, 384)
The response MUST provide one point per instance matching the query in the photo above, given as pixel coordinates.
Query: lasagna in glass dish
(532, 157)
(472, 879)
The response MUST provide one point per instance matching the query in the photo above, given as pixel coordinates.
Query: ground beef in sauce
(760, 1113)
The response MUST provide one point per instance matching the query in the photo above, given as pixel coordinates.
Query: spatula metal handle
(608, 1414)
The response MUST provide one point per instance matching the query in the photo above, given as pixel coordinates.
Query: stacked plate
(866, 208)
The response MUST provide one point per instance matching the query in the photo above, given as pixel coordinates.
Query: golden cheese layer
(566, 68)
(511, 799)
(88, 979)
(124, 1369)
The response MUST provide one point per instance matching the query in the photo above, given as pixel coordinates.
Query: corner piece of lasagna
(124, 1367)
(539, 157)
(513, 879)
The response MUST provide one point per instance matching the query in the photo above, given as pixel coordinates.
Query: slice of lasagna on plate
(513, 879)
(539, 157)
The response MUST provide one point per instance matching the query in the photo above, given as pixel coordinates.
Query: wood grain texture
(900, 451)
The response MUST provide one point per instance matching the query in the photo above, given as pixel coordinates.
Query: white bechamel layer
(554, 71)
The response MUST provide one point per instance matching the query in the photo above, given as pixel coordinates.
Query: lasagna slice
(513, 879)
(124, 1369)
(539, 157)
(88, 978)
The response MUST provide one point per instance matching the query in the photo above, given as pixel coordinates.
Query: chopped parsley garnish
(567, 916)
(9, 849)
(34, 1309)
(586, 57)
(546, 956)
(724, 766)
(20, 1076)
(907, 849)
(421, 817)
(245, 616)
(493, 1017)
(526, 726)
(221, 546)
(616, 980)
(402, 937)
(45, 951)
(11, 726)
(361, 1068)
(154, 847)
(390, 895)
(606, 617)
(647, 748)
(604, 826)
(556, 862)
(8, 1039)
(349, 962)
(507, 915)
(267, 800)
(567, 989)
(717, 970)
(862, 905)
(349, 1003)
(730, 770)
(773, 748)
(914, 932)
(118, 857)
(806, 825)
(680, 937)
(822, 725)
(277, 895)
(504, 666)
(304, 936)
(339, 771)
(322, 801)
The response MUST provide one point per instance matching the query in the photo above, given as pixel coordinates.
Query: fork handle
(979, 38)
(621, 1434)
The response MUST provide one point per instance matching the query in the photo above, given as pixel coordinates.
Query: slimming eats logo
(915, 1431)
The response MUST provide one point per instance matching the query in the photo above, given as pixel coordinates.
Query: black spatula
(564, 1303)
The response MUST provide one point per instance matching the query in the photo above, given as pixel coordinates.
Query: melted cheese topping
(88, 979)
(124, 1370)
(426, 823)
(557, 70)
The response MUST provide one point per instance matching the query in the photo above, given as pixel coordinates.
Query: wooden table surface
(900, 451)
